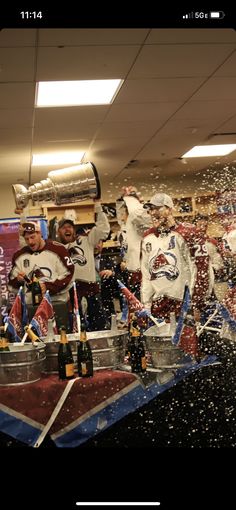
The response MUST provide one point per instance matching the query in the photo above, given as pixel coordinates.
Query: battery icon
(217, 14)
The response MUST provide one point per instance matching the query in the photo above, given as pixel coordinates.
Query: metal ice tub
(108, 349)
(22, 364)
(162, 351)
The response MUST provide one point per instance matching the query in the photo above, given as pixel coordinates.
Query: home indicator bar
(117, 503)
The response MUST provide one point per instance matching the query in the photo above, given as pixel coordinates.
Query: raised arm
(102, 225)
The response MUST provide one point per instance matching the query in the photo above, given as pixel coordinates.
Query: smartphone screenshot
(118, 205)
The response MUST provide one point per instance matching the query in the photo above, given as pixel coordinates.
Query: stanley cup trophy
(61, 186)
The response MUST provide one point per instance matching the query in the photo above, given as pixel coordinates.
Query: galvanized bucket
(108, 349)
(162, 352)
(22, 364)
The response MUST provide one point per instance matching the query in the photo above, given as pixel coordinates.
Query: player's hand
(106, 273)
(21, 277)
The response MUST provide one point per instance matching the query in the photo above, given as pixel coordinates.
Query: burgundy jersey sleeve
(197, 245)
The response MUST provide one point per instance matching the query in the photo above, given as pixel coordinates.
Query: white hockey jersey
(229, 238)
(54, 265)
(173, 259)
(82, 250)
(132, 231)
(215, 256)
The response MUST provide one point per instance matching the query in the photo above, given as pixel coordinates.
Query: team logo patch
(26, 262)
(163, 265)
(148, 247)
(77, 256)
(43, 273)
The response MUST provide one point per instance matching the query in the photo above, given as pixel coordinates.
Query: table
(92, 405)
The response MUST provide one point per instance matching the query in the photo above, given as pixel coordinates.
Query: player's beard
(160, 223)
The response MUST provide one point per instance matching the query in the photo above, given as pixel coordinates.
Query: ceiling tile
(228, 68)
(157, 89)
(74, 116)
(217, 89)
(197, 110)
(189, 35)
(227, 127)
(16, 118)
(17, 64)
(12, 38)
(15, 136)
(85, 62)
(173, 60)
(17, 95)
(145, 111)
(95, 37)
(130, 129)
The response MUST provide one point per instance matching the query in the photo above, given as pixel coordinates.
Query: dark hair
(62, 222)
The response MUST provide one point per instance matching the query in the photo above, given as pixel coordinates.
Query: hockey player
(133, 221)
(54, 265)
(81, 249)
(174, 255)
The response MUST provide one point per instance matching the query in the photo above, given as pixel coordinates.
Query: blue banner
(185, 306)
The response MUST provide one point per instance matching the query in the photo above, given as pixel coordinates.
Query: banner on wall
(9, 244)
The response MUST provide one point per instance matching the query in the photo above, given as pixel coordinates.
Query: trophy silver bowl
(63, 186)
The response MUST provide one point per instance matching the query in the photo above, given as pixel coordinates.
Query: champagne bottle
(85, 357)
(137, 351)
(130, 322)
(65, 357)
(36, 291)
(4, 342)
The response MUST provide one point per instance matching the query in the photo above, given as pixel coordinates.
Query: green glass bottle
(84, 355)
(36, 291)
(65, 357)
(137, 351)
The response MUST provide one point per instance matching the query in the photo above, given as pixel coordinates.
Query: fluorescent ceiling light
(72, 93)
(57, 158)
(200, 151)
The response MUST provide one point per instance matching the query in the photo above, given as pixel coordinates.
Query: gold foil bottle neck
(63, 336)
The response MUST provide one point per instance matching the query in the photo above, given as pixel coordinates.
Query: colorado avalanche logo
(43, 273)
(77, 256)
(164, 264)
